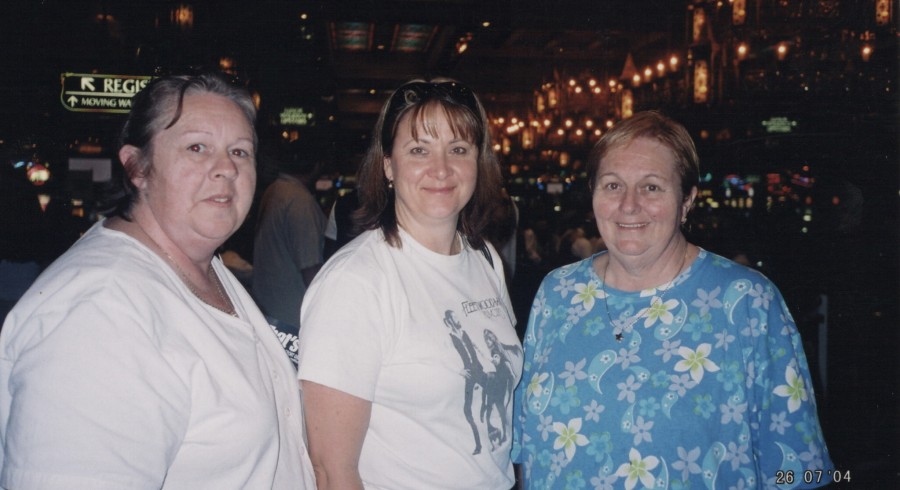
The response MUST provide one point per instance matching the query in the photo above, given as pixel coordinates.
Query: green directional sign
(100, 93)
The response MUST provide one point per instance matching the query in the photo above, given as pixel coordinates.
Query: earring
(390, 184)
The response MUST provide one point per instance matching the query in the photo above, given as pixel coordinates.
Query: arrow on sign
(87, 83)
(72, 100)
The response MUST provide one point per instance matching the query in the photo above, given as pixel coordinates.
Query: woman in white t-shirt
(137, 360)
(408, 352)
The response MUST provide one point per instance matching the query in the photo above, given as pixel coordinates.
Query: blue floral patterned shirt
(709, 388)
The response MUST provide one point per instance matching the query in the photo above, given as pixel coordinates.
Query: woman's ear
(388, 170)
(688, 202)
(130, 156)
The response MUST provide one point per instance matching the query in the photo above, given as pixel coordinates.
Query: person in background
(339, 229)
(394, 361)
(502, 234)
(136, 360)
(657, 362)
(23, 237)
(289, 241)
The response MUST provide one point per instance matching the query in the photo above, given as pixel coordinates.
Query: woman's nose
(224, 167)
(440, 167)
(630, 201)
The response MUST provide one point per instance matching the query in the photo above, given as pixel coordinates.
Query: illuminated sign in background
(297, 116)
(779, 125)
(100, 93)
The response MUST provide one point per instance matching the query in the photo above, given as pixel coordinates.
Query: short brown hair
(656, 126)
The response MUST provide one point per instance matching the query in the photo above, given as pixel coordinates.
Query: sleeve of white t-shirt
(85, 408)
(347, 322)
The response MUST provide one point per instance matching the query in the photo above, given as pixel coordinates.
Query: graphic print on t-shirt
(496, 381)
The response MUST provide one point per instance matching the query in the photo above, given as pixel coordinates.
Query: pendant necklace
(210, 273)
(624, 327)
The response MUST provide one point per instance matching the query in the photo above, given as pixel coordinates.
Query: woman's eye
(652, 187)
(417, 150)
(240, 152)
(196, 148)
(612, 186)
(460, 150)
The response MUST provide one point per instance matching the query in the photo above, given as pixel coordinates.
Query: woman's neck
(444, 242)
(637, 275)
(144, 228)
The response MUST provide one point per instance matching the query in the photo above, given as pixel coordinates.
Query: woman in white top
(401, 388)
(137, 360)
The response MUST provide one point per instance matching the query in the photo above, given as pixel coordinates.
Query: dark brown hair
(467, 119)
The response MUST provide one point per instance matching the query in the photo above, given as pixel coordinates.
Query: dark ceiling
(343, 56)
(511, 47)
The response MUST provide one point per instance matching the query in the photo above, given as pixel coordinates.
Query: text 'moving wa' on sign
(100, 93)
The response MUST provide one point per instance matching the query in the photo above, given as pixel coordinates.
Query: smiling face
(637, 200)
(203, 172)
(434, 175)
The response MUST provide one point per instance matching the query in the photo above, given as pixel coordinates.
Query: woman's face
(203, 174)
(434, 176)
(638, 201)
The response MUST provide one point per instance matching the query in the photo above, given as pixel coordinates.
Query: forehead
(640, 156)
(207, 111)
(436, 120)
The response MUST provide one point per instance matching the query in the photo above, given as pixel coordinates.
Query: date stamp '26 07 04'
(811, 476)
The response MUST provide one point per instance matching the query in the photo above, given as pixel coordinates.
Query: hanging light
(627, 104)
(866, 52)
(701, 80)
(673, 63)
(183, 16)
(883, 12)
(739, 12)
(781, 51)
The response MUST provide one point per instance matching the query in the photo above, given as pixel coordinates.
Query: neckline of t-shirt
(408, 240)
(689, 270)
(153, 256)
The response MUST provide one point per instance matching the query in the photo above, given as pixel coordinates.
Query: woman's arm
(336, 424)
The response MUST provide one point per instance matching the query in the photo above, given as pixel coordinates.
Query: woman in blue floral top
(658, 364)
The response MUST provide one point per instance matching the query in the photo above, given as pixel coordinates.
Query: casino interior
(793, 105)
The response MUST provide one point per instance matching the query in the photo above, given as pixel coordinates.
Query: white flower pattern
(703, 371)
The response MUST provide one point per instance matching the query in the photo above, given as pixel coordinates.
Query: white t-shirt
(114, 375)
(413, 331)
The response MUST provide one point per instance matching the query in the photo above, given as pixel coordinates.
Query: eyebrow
(654, 175)
(191, 132)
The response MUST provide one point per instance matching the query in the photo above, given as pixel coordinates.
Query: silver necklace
(621, 328)
(210, 273)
